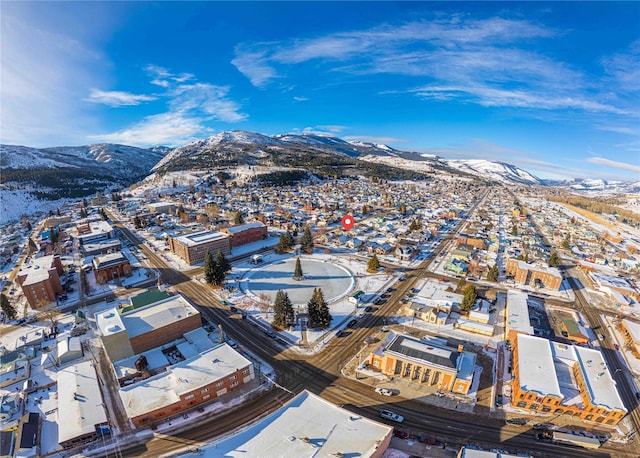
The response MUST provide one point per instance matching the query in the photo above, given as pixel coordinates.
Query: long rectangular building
(560, 379)
(185, 385)
(193, 248)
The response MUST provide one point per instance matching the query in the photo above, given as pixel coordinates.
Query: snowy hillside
(493, 170)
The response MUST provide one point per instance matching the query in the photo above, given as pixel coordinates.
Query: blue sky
(551, 87)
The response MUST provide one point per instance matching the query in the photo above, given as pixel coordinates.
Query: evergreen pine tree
(290, 240)
(8, 309)
(514, 230)
(29, 227)
(553, 261)
(373, 265)
(223, 262)
(323, 316)
(32, 246)
(306, 242)
(297, 271)
(469, 298)
(209, 268)
(312, 309)
(279, 313)
(492, 275)
(238, 218)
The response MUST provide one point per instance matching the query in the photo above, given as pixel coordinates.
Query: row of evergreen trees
(317, 308)
(287, 241)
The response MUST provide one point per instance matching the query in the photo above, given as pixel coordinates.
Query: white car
(384, 391)
(389, 415)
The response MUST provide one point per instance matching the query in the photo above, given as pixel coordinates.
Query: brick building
(193, 248)
(246, 233)
(40, 282)
(429, 363)
(560, 379)
(537, 274)
(110, 266)
(630, 331)
(183, 386)
(138, 330)
(476, 242)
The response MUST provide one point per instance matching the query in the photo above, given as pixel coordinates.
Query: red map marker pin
(347, 222)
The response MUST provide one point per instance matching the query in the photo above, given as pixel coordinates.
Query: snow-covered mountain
(494, 170)
(245, 147)
(66, 172)
(600, 186)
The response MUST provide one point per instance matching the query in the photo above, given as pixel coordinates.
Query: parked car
(600, 336)
(384, 391)
(368, 308)
(401, 434)
(232, 343)
(389, 415)
(351, 323)
(270, 333)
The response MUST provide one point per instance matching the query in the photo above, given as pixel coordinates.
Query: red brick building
(40, 283)
(193, 248)
(534, 274)
(183, 386)
(246, 233)
(110, 266)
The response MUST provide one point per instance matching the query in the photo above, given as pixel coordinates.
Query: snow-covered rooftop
(109, 322)
(80, 406)
(601, 386)
(518, 312)
(197, 238)
(536, 369)
(156, 315)
(633, 328)
(307, 426)
(166, 388)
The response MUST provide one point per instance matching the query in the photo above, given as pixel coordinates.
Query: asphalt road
(320, 373)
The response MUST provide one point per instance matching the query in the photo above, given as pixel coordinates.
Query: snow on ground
(14, 203)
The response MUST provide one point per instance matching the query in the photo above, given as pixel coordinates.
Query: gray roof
(417, 349)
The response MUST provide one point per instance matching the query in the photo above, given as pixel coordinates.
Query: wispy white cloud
(118, 98)
(190, 107)
(485, 61)
(614, 164)
(299, 98)
(44, 76)
(625, 130)
(162, 129)
(624, 67)
(254, 64)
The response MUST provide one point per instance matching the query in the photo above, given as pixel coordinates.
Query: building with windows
(560, 379)
(186, 385)
(193, 248)
(537, 275)
(94, 231)
(110, 266)
(630, 331)
(81, 414)
(427, 362)
(517, 312)
(140, 329)
(40, 282)
(246, 233)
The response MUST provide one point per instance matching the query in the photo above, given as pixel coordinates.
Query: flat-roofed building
(575, 332)
(193, 248)
(246, 233)
(81, 411)
(40, 282)
(146, 327)
(630, 331)
(537, 275)
(111, 266)
(305, 427)
(98, 247)
(517, 311)
(195, 381)
(611, 284)
(428, 362)
(94, 231)
(560, 379)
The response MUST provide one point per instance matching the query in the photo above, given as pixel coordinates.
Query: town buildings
(246, 233)
(81, 414)
(430, 362)
(537, 275)
(140, 329)
(193, 248)
(560, 379)
(111, 266)
(187, 384)
(630, 331)
(40, 282)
